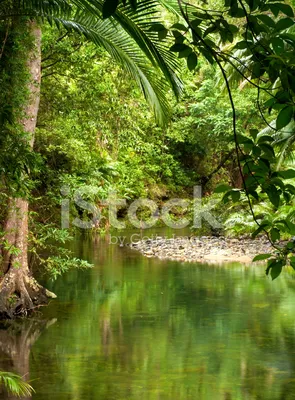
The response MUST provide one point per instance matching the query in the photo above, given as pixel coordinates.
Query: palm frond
(138, 25)
(173, 7)
(284, 140)
(15, 385)
(126, 36)
(122, 49)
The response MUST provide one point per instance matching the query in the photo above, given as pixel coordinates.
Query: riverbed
(203, 248)
(143, 328)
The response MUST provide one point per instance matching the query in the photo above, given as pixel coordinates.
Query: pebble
(218, 249)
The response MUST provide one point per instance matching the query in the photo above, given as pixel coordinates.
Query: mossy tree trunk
(19, 291)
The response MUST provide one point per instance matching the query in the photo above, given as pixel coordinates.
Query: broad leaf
(222, 188)
(288, 174)
(284, 117)
(192, 61)
(261, 257)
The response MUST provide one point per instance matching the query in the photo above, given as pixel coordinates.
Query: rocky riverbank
(204, 248)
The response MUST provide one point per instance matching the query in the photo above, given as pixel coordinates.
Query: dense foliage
(95, 134)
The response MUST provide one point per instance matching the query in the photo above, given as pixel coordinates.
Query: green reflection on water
(138, 328)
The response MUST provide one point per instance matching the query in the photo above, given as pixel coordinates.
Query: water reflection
(138, 328)
(16, 341)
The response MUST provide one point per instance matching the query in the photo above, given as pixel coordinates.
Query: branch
(205, 179)
(4, 41)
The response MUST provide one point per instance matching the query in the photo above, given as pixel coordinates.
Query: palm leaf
(126, 36)
(15, 385)
(119, 45)
(284, 140)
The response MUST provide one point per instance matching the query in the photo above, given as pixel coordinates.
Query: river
(135, 328)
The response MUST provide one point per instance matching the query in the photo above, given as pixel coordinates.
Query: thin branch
(4, 41)
(59, 39)
(245, 77)
(248, 24)
(205, 179)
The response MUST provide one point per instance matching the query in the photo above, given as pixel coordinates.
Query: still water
(135, 328)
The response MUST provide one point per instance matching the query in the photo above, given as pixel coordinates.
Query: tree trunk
(19, 291)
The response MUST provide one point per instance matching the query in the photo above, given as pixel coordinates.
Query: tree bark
(19, 291)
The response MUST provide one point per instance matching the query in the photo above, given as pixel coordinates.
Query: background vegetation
(95, 132)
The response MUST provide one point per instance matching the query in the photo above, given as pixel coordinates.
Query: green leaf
(292, 259)
(178, 26)
(157, 27)
(264, 164)
(290, 188)
(275, 234)
(162, 34)
(243, 44)
(177, 47)
(256, 70)
(266, 20)
(222, 188)
(274, 9)
(283, 96)
(109, 8)
(225, 198)
(260, 257)
(286, 9)
(207, 54)
(291, 81)
(273, 195)
(278, 182)
(264, 139)
(287, 196)
(277, 45)
(276, 269)
(235, 194)
(268, 150)
(209, 30)
(15, 385)
(202, 16)
(256, 151)
(233, 28)
(288, 174)
(192, 61)
(254, 194)
(270, 102)
(261, 228)
(291, 227)
(184, 53)
(179, 38)
(284, 23)
(244, 139)
(254, 133)
(284, 117)
(237, 12)
(284, 79)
